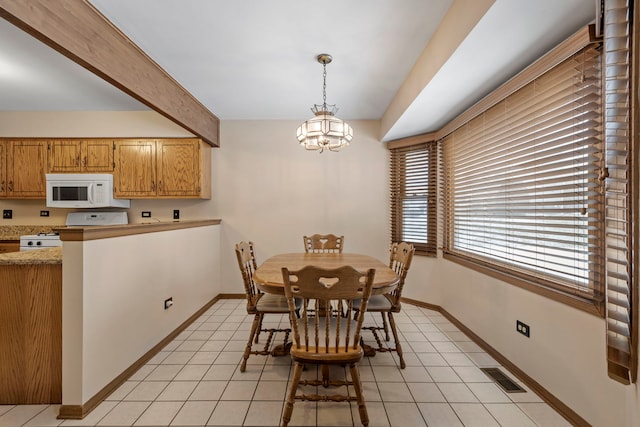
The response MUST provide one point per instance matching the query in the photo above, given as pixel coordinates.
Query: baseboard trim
(78, 412)
(568, 413)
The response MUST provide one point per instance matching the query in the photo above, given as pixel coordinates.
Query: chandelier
(324, 131)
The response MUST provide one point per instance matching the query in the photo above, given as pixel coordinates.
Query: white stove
(39, 241)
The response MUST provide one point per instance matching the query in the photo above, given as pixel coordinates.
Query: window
(413, 196)
(523, 183)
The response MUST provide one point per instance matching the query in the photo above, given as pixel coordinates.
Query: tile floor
(195, 381)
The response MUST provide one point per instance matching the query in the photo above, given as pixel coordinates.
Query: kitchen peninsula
(114, 284)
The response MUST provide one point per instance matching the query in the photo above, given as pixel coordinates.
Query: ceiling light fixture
(324, 131)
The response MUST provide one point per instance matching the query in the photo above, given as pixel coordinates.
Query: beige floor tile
(229, 413)
(439, 415)
(443, 374)
(239, 390)
(474, 415)
(457, 392)
(164, 373)
(159, 414)
(415, 374)
(123, 390)
(509, 415)
(377, 414)
(432, 359)
(219, 373)
(178, 391)
(208, 390)
(263, 414)
(271, 390)
(93, 417)
(304, 414)
(124, 414)
(543, 415)
(333, 414)
(404, 414)
(472, 374)
(203, 358)
(192, 373)
(146, 391)
(387, 374)
(395, 392)
(194, 413)
(142, 373)
(426, 392)
(488, 393)
(178, 358)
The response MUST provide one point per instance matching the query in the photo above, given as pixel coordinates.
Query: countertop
(13, 232)
(34, 257)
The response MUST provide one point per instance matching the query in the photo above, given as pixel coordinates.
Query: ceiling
(255, 59)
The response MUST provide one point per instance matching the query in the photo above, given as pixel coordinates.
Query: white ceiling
(255, 59)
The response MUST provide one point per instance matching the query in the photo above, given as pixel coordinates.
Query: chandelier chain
(324, 87)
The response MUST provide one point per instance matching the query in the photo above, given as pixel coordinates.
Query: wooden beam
(81, 33)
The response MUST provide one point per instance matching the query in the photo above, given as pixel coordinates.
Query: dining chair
(258, 303)
(400, 258)
(324, 337)
(323, 243)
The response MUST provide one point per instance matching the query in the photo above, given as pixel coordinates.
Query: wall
(113, 316)
(566, 350)
(273, 192)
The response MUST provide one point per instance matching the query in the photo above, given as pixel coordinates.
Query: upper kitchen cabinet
(84, 156)
(162, 168)
(26, 164)
(184, 168)
(135, 172)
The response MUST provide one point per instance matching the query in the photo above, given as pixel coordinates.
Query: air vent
(503, 381)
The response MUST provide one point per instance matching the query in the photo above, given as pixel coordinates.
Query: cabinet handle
(153, 186)
(160, 185)
(77, 161)
(84, 161)
(10, 186)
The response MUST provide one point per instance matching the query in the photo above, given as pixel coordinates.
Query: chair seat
(270, 303)
(376, 303)
(332, 357)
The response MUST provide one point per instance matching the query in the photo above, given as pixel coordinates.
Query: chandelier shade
(324, 131)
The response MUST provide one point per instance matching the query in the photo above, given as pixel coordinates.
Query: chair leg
(257, 321)
(394, 330)
(357, 385)
(259, 329)
(291, 396)
(385, 326)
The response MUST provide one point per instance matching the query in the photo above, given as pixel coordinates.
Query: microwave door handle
(90, 193)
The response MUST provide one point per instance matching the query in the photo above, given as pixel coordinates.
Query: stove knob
(29, 243)
(38, 243)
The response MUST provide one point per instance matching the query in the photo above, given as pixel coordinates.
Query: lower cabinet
(9, 246)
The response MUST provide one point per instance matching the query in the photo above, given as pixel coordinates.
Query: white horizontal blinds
(621, 335)
(522, 180)
(413, 196)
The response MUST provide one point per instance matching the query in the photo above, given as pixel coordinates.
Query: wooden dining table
(268, 276)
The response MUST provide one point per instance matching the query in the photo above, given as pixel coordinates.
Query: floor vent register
(503, 381)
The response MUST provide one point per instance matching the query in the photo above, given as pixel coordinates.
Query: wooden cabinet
(83, 156)
(9, 246)
(3, 169)
(162, 168)
(26, 168)
(135, 172)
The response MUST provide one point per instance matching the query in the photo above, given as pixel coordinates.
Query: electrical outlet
(7, 214)
(168, 303)
(523, 328)
(44, 213)
(146, 214)
(176, 214)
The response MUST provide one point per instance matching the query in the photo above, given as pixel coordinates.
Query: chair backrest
(247, 263)
(323, 243)
(320, 330)
(400, 256)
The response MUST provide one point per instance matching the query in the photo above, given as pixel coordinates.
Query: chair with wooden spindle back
(323, 243)
(258, 303)
(326, 337)
(400, 258)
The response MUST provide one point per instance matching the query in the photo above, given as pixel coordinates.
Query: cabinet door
(178, 168)
(3, 169)
(97, 155)
(26, 168)
(64, 156)
(135, 172)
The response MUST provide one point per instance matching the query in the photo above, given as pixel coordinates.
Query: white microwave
(82, 190)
